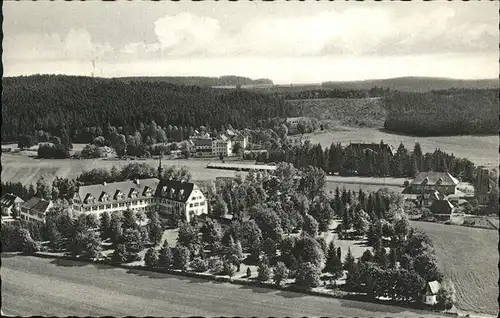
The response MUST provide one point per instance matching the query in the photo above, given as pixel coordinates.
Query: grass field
(361, 111)
(482, 150)
(469, 257)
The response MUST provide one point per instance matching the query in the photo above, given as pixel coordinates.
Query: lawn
(469, 257)
(482, 150)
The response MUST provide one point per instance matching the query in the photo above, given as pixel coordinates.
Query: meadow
(482, 150)
(469, 257)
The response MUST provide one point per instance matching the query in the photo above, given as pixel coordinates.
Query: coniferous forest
(53, 102)
(449, 112)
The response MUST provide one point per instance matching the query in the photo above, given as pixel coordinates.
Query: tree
(181, 257)
(55, 237)
(268, 221)
(199, 265)
(105, 226)
(307, 275)
(43, 189)
(446, 296)
(92, 221)
(119, 254)
(212, 235)
(220, 208)
(25, 141)
(188, 237)
(249, 272)
(263, 271)
(228, 269)
(133, 244)
(269, 248)
(349, 262)
(129, 220)
(361, 222)
(280, 273)
(151, 258)
(165, 257)
(310, 226)
(333, 263)
(307, 249)
(154, 228)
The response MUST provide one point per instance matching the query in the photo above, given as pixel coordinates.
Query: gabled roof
(175, 190)
(434, 286)
(431, 178)
(112, 189)
(36, 205)
(9, 199)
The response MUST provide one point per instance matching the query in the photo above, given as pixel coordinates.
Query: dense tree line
(200, 80)
(350, 160)
(449, 112)
(47, 102)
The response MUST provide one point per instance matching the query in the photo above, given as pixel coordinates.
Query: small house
(8, 202)
(35, 209)
(430, 294)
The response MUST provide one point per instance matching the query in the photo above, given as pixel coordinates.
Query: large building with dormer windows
(166, 197)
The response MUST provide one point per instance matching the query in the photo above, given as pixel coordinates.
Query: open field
(482, 150)
(346, 111)
(469, 257)
(35, 286)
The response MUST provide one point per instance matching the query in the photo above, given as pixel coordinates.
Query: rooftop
(97, 191)
(36, 205)
(9, 199)
(432, 178)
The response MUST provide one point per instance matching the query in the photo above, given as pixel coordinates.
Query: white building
(8, 202)
(431, 290)
(166, 197)
(202, 147)
(222, 145)
(35, 209)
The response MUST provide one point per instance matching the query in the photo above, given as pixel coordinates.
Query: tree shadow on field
(378, 306)
(159, 275)
(258, 289)
(290, 294)
(68, 263)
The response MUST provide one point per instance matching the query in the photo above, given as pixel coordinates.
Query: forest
(449, 112)
(352, 161)
(53, 102)
(200, 80)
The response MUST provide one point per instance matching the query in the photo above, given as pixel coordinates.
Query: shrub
(228, 269)
(181, 257)
(165, 257)
(119, 255)
(446, 296)
(151, 258)
(199, 265)
(215, 265)
(264, 272)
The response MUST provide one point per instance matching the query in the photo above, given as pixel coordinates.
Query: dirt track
(34, 286)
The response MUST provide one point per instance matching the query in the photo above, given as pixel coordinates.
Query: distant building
(35, 209)
(202, 147)
(222, 146)
(8, 202)
(430, 293)
(424, 182)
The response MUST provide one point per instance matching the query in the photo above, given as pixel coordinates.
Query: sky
(287, 42)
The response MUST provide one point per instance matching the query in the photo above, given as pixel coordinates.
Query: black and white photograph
(250, 158)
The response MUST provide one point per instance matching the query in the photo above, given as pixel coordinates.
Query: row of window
(197, 204)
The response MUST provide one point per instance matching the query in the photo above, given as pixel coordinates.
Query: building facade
(222, 146)
(35, 209)
(203, 147)
(168, 197)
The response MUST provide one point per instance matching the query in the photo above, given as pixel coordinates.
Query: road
(36, 286)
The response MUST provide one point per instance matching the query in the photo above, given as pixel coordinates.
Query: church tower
(160, 169)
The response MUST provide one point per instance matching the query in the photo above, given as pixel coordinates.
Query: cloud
(76, 45)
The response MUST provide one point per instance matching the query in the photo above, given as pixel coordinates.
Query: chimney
(136, 181)
(104, 183)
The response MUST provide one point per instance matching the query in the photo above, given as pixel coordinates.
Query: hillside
(451, 112)
(367, 112)
(48, 102)
(416, 84)
(200, 80)
(468, 257)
